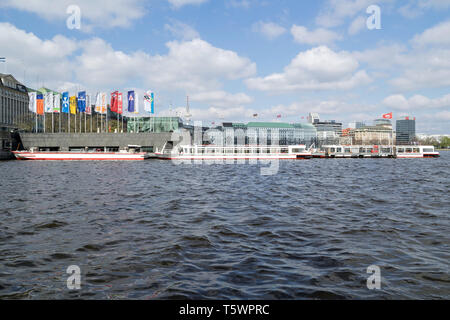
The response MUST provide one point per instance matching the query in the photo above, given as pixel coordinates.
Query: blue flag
(65, 102)
(82, 101)
(131, 99)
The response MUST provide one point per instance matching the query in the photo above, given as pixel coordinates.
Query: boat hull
(79, 156)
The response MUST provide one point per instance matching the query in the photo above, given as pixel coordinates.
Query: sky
(237, 58)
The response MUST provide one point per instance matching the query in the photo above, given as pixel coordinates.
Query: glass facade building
(268, 133)
(406, 131)
(154, 124)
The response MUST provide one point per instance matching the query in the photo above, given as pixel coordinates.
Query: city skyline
(239, 58)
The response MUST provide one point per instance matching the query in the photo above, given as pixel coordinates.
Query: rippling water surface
(156, 230)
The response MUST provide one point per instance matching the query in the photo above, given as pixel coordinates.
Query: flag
(40, 104)
(136, 102)
(73, 105)
(103, 104)
(65, 102)
(149, 102)
(48, 102)
(32, 101)
(388, 116)
(279, 116)
(57, 103)
(115, 101)
(88, 104)
(120, 103)
(255, 115)
(131, 100)
(98, 103)
(82, 101)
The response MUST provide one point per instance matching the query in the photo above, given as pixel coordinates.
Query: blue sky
(235, 58)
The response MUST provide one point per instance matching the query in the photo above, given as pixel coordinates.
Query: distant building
(406, 131)
(313, 118)
(154, 124)
(13, 109)
(270, 133)
(383, 123)
(356, 125)
(372, 135)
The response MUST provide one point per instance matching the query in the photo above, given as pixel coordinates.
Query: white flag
(32, 101)
(57, 103)
(136, 102)
(88, 104)
(98, 103)
(48, 102)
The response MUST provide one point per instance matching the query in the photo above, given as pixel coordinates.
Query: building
(153, 124)
(406, 131)
(372, 135)
(264, 133)
(313, 118)
(13, 110)
(383, 123)
(356, 125)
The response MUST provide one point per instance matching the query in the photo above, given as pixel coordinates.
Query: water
(155, 230)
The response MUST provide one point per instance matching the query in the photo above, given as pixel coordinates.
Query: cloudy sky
(235, 58)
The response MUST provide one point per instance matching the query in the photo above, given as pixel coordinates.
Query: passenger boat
(234, 153)
(131, 154)
(414, 152)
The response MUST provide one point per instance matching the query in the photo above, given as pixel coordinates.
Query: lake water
(156, 230)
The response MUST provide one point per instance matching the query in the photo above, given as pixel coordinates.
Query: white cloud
(437, 35)
(221, 98)
(98, 13)
(416, 8)
(316, 69)
(357, 25)
(336, 12)
(416, 102)
(180, 3)
(314, 37)
(181, 30)
(269, 29)
(189, 66)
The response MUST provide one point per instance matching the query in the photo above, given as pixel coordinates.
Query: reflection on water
(155, 230)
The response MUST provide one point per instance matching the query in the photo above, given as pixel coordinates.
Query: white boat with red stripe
(234, 153)
(123, 155)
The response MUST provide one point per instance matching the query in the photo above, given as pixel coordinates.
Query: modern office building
(406, 131)
(329, 126)
(270, 133)
(313, 118)
(356, 125)
(154, 124)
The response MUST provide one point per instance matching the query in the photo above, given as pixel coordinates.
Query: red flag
(114, 101)
(388, 116)
(279, 116)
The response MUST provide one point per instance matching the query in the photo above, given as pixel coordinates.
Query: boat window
(284, 150)
(408, 150)
(416, 150)
(428, 150)
(338, 149)
(348, 151)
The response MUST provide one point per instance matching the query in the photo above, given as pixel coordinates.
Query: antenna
(188, 112)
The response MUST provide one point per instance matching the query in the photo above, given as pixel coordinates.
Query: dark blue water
(155, 230)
